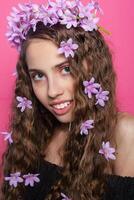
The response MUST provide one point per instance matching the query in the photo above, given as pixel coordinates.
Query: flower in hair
(20, 21)
(24, 103)
(101, 97)
(64, 197)
(107, 151)
(89, 24)
(96, 6)
(69, 13)
(91, 87)
(87, 125)
(58, 6)
(30, 179)
(14, 179)
(48, 16)
(69, 19)
(67, 48)
(8, 136)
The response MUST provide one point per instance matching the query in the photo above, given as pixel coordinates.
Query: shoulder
(125, 128)
(124, 137)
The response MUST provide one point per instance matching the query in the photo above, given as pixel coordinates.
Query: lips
(62, 107)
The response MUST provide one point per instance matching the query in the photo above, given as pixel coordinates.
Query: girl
(69, 141)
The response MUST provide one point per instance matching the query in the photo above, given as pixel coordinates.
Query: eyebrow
(55, 66)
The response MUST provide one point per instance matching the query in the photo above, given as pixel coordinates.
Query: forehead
(42, 51)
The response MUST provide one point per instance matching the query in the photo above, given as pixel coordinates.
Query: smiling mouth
(63, 108)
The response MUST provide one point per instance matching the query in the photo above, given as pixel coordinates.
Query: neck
(54, 150)
(63, 127)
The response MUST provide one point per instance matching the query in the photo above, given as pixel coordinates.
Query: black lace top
(120, 188)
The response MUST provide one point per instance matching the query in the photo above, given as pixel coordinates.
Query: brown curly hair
(85, 170)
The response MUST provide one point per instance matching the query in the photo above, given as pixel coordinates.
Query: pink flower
(67, 48)
(30, 179)
(8, 137)
(87, 125)
(64, 197)
(107, 151)
(14, 179)
(15, 73)
(24, 103)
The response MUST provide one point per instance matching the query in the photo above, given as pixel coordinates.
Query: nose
(55, 88)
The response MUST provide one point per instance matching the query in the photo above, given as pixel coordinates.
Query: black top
(120, 188)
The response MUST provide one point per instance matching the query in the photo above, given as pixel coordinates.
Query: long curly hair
(85, 170)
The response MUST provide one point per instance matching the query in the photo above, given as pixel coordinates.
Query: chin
(64, 119)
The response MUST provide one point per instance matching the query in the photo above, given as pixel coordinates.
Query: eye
(37, 76)
(65, 69)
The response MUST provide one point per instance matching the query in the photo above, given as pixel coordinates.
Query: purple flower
(67, 48)
(73, 5)
(8, 137)
(48, 15)
(69, 19)
(107, 151)
(64, 197)
(87, 125)
(14, 179)
(101, 97)
(30, 179)
(96, 6)
(70, 13)
(58, 6)
(89, 24)
(20, 21)
(84, 12)
(88, 20)
(24, 103)
(91, 87)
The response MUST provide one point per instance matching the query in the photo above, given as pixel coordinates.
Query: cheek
(72, 85)
(69, 83)
(40, 93)
(73, 88)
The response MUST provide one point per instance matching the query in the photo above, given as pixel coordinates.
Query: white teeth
(62, 105)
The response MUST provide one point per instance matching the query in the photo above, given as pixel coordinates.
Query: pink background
(118, 19)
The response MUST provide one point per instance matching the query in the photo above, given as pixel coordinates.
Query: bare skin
(54, 151)
(124, 137)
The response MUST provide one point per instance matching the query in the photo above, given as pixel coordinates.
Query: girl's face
(51, 79)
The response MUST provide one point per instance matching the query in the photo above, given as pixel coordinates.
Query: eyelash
(65, 66)
(34, 74)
